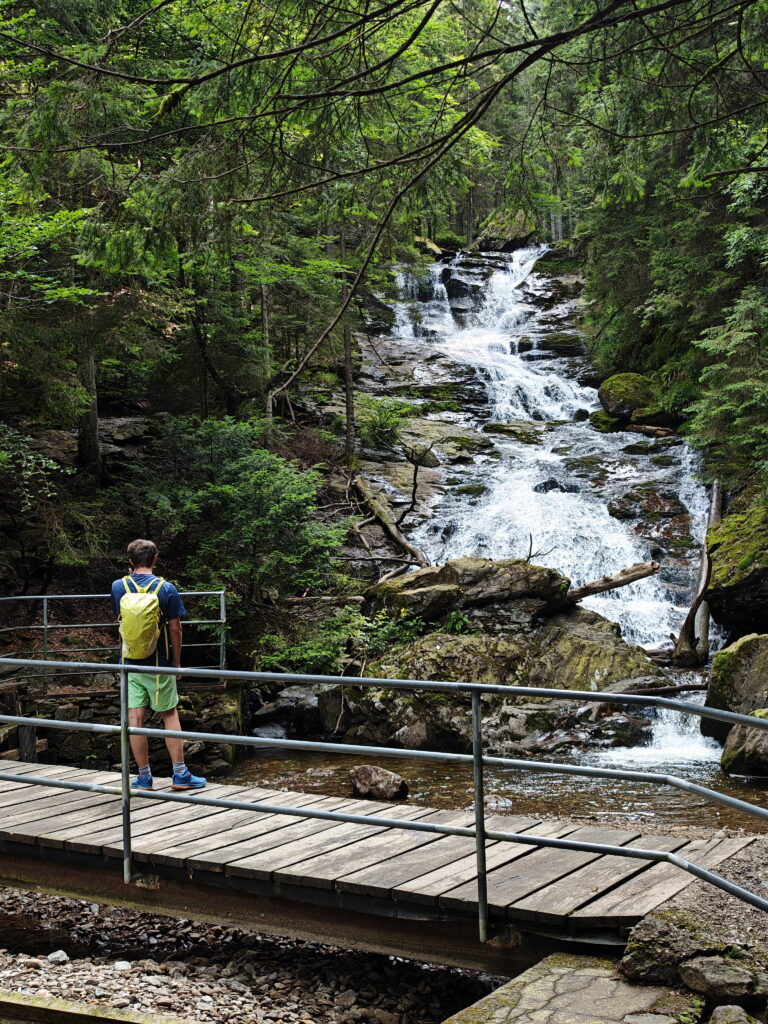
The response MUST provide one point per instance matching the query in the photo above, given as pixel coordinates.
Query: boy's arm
(174, 629)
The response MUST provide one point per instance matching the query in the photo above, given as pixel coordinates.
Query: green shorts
(157, 692)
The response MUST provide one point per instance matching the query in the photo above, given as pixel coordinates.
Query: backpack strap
(126, 581)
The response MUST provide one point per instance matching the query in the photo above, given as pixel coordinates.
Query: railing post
(125, 771)
(45, 642)
(477, 764)
(222, 630)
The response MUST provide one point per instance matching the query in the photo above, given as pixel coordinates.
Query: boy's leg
(139, 744)
(175, 746)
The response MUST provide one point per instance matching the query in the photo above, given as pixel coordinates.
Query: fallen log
(664, 691)
(380, 508)
(620, 579)
(641, 428)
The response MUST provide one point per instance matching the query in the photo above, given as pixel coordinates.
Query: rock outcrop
(746, 750)
(738, 588)
(472, 584)
(739, 681)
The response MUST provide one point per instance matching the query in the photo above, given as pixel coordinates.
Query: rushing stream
(553, 494)
(495, 320)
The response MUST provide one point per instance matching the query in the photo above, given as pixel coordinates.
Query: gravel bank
(124, 959)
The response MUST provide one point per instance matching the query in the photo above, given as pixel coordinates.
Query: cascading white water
(552, 495)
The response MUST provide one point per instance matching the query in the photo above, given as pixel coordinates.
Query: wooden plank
(561, 898)
(628, 903)
(249, 824)
(427, 860)
(188, 824)
(61, 801)
(541, 867)
(323, 869)
(26, 792)
(307, 838)
(247, 839)
(460, 868)
(91, 834)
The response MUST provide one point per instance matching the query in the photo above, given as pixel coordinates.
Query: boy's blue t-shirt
(171, 607)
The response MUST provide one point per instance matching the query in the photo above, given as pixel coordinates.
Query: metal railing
(46, 627)
(478, 759)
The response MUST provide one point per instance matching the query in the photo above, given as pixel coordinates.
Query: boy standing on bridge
(158, 692)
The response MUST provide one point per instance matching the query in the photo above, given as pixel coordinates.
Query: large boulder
(739, 681)
(375, 783)
(626, 393)
(738, 587)
(464, 583)
(746, 750)
(577, 650)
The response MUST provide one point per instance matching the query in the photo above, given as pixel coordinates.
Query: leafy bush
(381, 420)
(235, 514)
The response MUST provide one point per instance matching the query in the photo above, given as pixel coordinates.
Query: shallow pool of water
(516, 791)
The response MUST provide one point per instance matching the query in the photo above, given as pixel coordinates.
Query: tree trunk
(605, 583)
(471, 217)
(692, 645)
(349, 383)
(89, 446)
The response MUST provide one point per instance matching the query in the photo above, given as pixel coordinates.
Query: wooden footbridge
(414, 893)
(459, 887)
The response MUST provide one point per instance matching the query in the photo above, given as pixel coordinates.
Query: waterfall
(557, 495)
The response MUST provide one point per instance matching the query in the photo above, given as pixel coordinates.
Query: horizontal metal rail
(318, 746)
(96, 597)
(584, 696)
(479, 832)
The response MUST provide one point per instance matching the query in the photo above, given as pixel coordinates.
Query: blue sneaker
(142, 782)
(188, 781)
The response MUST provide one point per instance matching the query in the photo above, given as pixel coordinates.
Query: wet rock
(295, 709)
(524, 431)
(606, 424)
(422, 456)
(738, 682)
(507, 231)
(564, 343)
(376, 783)
(738, 588)
(555, 485)
(647, 503)
(624, 393)
(746, 750)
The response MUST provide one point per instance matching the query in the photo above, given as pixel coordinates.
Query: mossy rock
(472, 490)
(738, 682)
(606, 424)
(625, 393)
(746, 750)
(524, 431)
(738, 588)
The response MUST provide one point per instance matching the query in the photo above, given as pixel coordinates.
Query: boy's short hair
(142, 552)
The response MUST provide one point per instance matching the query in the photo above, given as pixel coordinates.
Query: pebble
(223, 975)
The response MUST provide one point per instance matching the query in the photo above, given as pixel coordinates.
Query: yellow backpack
(140, 618)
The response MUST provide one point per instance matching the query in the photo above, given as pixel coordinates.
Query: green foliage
(322, 651)
(45, 525)
(458, 623)
(235, 514)
(730, 418)
(381, 420)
